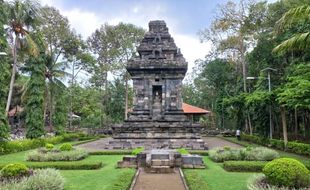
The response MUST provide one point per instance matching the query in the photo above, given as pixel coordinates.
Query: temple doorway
(157, 101)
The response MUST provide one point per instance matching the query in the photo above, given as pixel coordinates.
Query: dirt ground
(147, 181)
(215, 142)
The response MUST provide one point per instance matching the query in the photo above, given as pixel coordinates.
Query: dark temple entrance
(157, 102)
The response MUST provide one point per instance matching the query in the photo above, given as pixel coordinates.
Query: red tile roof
(193, 109)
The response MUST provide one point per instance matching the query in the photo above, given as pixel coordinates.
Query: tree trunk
(250, 124)
(284, 127)
(8, 103)
(296, 123)
(126, 95)
(50, 123)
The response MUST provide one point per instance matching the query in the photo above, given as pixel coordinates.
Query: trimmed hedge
(249, 166)
(28, 144)
(63, 165)
(199, 152)
(111, 152)
(287, 172)
(244, 166)
(294, 147)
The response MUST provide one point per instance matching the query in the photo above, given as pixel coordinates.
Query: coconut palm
(298, 41)
(54, 74)
(22, 18)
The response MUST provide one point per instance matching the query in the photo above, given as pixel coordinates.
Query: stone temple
(157, 119)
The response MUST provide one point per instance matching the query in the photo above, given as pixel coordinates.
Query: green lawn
(219, 179)
(101, 179)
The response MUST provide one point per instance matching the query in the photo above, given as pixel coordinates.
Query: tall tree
(232, 33)
(4, 74)
(35, 97)
(22, 19)
(114, 46)
(62, 45)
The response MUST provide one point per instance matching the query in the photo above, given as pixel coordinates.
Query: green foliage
(287, 172)
(66, 147)
(77, 165)
(199, 152)
(195, 181)
(47, 156)
(123, 182)
(253, 154)
(4, 77)
(220, 155)
(35, 97)
(137, 150)
(244, 166)
(182, 151)
(295, 147)
(296, 92)
(60, 116)
(258, 182)
(49, 146)
(298, 41)
(46, 179)
(27, 144)
(14, 171)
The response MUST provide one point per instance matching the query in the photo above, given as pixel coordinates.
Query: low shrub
(48, 179)
(137, 150)
(194, 180)
(8, 147)
(259, 182)
(182, 151)
(287, 172)
(199, 152)
(79, 165)
(111, 152)
(260, 154)
(41, 156)
(123, 181)
(220, 155)
(49, 146)
(14, 171)
(244, 166)
(66, 147)
(249, 153)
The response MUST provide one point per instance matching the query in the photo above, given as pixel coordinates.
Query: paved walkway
(147, 181)
(213, 142)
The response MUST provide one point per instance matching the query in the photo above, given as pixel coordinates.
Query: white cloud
(85, 23)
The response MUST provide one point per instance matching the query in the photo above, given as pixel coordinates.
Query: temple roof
(189, 109)
(157, 50)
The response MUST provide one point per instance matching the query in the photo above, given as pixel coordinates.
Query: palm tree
(23, 16)
(54, 73)
(298, 41)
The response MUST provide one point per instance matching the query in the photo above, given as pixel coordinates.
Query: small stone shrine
(161, 161)
(157, 119)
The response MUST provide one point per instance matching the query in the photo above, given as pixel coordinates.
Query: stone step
(161, 162)
(160, 169)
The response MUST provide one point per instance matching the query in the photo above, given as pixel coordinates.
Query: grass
(217, 178)
(101, 179)
(106, 178)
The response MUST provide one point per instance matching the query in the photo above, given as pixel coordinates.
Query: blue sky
(183, 17)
